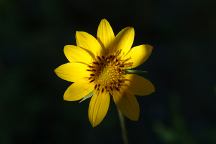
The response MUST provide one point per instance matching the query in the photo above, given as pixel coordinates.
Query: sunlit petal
(78, 90)
(105, 33)
(124, 40)
(127, 103)
(72, 72)
(139, 85)
(77, 54)
(88, 42)
(98, 108)
(139, 54)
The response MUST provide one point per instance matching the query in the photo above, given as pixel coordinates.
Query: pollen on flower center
(107, 73)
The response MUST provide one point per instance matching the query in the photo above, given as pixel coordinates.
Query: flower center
(107, 72)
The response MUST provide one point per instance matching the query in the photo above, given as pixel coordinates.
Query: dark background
(182, 67)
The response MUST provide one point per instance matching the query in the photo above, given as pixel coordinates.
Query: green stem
(123, 128)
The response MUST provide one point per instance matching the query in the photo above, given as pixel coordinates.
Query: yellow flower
(98, 67)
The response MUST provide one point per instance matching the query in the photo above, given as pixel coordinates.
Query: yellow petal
(73, 72)
(127, 104)
(139, 85)
(105, 33)
(78, 90)
(124, 40)
(139, 54)
(77, 54)
(98, 108)
(88, 42)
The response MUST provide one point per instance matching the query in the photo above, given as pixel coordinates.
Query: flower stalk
(123, 127)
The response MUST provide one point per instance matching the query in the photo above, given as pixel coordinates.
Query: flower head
(98, 67)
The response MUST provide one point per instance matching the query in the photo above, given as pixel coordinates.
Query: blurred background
(182, 67)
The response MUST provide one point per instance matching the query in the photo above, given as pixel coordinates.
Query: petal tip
(94, 124)
(78, 33)
(150, 47)
(153, 89)
(130, 29)
(104, 20)
(56, 71)
(65, 98)
(136, 118)
(66, 49)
